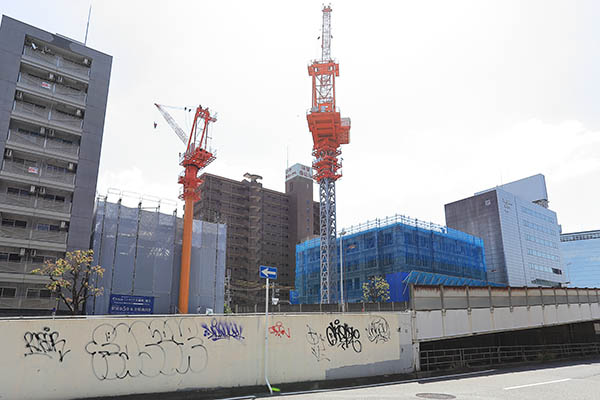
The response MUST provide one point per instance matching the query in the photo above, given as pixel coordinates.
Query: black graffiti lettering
(343, 335)
(220, 330)
(45, 343)
(166, 347)
(378, 330)
(317, 344)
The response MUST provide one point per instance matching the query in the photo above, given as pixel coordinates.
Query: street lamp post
(342, 233)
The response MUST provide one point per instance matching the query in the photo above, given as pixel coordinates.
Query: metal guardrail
(493, 355)
(34, 202)
(48, 87)
(40, 142)
(31, 234)
(41, 172)
(47, 114)
(319, 308)
(57, 62)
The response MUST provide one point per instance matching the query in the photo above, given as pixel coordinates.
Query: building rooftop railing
(400, 219)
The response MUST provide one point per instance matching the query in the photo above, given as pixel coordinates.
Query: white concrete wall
(68, 358)
(436, 324)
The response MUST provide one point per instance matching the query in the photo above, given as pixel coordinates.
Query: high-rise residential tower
(53, 94)
(520, 234)
(263, 228)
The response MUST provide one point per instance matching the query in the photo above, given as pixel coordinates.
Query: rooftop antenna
(88, 24)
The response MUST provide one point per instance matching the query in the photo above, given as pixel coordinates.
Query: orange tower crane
(329, 131)
(194, 160)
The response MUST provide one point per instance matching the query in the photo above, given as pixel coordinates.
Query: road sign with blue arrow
(268, 272)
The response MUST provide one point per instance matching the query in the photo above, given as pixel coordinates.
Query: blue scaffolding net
(387, 246)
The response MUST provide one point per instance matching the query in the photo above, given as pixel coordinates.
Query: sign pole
(267, 335)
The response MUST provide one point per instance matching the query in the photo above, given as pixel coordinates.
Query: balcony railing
(41, 172)
(48, 114)
(54, 61)
(35, 202)
(51, 88)
(19, 267)
(40, 142)
(30, 234)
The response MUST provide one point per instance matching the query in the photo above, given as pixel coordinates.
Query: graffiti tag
(220, 330)
(343, 335)
(279, 330)
(378, 330)
(45, 343)
(317, 344)
(166, 347)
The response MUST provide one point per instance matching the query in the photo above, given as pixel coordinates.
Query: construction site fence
(320, 308)
(450, 359)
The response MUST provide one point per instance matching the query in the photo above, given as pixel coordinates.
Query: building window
(8, 292)
(38, 293)
(15, 223)
(12, 257)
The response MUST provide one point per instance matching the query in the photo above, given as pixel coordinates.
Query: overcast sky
(446, 98)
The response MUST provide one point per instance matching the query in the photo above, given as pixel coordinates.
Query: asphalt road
(569, 380)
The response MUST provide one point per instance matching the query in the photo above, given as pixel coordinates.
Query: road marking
(372, 385)
(537, 384)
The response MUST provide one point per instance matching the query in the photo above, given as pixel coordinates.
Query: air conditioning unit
(22, 251)
(63, 224)
(33, 252)
(78, 112)
(32, 189)
(47, 50)
(51, 132)
(86, 61)
(71, 166)
(42, 190)
(19, 95)
(8, 153)
(59, 79)
(51, 76)
(42, 130)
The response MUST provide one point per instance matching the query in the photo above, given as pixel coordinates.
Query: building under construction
(263, 227)
(388, 246)
(140, 251)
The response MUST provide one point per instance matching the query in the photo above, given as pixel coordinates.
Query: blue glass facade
(387, 246)
(581, 258)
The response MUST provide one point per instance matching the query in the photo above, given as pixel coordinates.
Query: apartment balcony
(37, 175)
(7, 232)
(19, 267)
(33, 205)
(51, 90)
(43, 145)
(47, 116)
(56, 63)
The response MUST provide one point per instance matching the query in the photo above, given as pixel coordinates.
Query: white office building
(521, 235)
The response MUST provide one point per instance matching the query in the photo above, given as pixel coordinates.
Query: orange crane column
(186, 256)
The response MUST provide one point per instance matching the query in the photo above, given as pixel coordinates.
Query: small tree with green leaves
(73, 279)
(376, 290)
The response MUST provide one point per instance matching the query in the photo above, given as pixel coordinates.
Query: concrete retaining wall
(68, 358)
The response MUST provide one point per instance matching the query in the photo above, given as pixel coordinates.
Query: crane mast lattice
(329, 132)
(195, 158)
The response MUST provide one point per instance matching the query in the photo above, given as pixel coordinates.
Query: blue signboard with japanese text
(126, 304)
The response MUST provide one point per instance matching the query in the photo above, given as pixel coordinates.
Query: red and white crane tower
(194, 160)
(329, 132)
